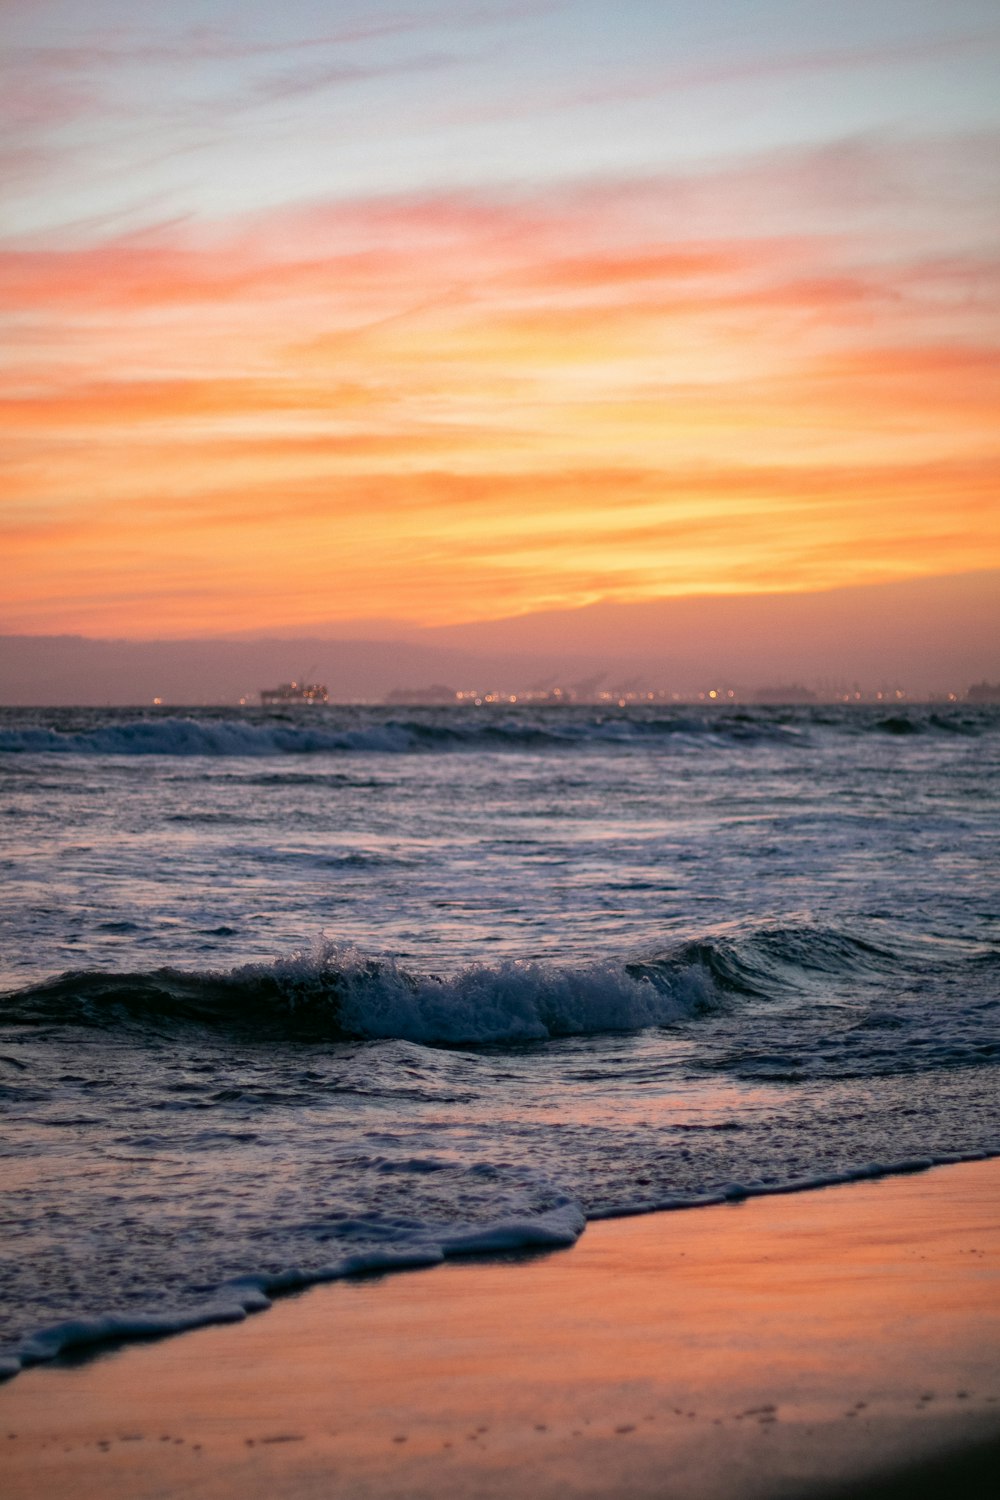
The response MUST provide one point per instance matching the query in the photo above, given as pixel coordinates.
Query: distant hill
(75, 669)
(930, 632)
(929, 635)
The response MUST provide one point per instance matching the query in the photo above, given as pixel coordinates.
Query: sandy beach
(846, 1339)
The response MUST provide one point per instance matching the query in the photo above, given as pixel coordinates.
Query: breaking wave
(341, 993)
(359, 730)
(207, 737)
(379, 734)
(412, 1190)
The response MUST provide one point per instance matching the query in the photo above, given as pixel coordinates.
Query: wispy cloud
(762, 66)
(142, 44)
(519, 393)
(226, 70)
(614, 533)
(656, 78)
(318, 77)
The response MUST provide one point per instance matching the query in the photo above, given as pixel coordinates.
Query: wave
(555, 1227)
(733, 980)
(217, 737)
(373, 730)
(552, 1225)
(533, 1214)
(341, 993)
(771, 960)
(205, 737)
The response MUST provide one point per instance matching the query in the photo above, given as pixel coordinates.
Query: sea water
(298, 994)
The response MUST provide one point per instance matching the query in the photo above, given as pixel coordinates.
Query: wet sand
(838, 1342)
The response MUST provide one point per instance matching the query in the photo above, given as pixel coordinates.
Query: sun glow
(456, 402)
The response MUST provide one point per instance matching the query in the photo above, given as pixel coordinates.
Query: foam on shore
(557, 1228)
(809, 1346)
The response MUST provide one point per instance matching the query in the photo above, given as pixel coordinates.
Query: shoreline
(779, 1345)
(86, 1337)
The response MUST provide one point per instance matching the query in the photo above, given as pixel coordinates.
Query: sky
(316, 314)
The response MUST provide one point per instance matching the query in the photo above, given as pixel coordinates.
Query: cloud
(765, 66)
(654, 79)
(319, 77)
(444, 397)
(46, 85)
(822, 214)
(124, 403)
(224, 43)
(472, 546)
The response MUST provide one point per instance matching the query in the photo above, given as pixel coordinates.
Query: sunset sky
(439, 312)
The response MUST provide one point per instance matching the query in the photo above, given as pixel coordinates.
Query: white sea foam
(557, 1227)
(510, 1002)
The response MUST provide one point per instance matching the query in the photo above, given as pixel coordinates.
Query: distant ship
(294, 692)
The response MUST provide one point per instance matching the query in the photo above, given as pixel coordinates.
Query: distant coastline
(923, 640)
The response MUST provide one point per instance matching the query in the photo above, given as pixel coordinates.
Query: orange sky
(461, 401)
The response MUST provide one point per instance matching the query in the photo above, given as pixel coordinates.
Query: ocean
(298, 994)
